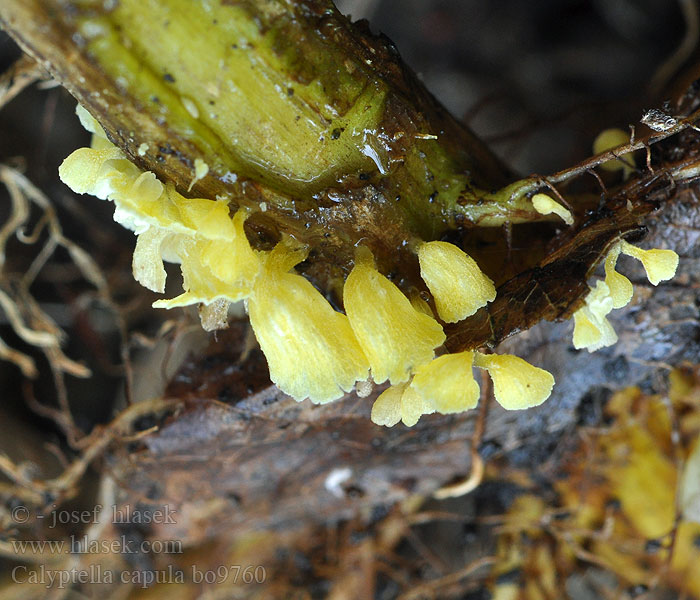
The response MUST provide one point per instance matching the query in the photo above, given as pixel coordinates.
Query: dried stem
(20, 75)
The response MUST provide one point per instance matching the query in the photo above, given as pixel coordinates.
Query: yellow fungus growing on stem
(233, 260)
(592, 330)
(399, 403)
(454, 279)
(80, 171)
(620, 287)
(609, 139)
(395, 337)
(546, 205)
(310, 348)
(447, 383)
(660, 265)
(90, 124)
(200, 171)
(216, 259)
(215, 269)
(147, 263)
(516, 383)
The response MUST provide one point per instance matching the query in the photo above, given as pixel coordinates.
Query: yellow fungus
(233, 260)
(447, 383)
(310, 348)
(546, 205)
(213, 269)
(89, 122)
(592, 330)
(421, 305)
(147, 263)
(620, 287)
(395, 337)
(200, 282)
(80, 171)
(590, 333)
(609, 139)
(516, 383)
(216, 259)
(399, 403)
(200, 171)
(456, 282)
(386, 409)
(200, 168)
(660, 265)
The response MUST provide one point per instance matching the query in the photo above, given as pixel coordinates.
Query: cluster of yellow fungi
(592, 330)
(312, 350)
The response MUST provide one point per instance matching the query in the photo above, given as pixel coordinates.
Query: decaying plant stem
(316, 126)
(289, 105)
(21, 74)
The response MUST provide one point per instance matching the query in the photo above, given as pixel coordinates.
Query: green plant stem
(307, 119)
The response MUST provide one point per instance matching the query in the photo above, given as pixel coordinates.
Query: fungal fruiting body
(396, 337)
(592, 330)
(399, 403)
(660, 265)
(516, 383)
(459, 286)
(310, 348)
(546, 205)
(447, 385)
(313, 351)
(609, 139)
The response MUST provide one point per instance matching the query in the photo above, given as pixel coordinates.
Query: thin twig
(25, 363)
(477, 467)
(619, 151)
(430, 588)
(43, 493)
(23, 72)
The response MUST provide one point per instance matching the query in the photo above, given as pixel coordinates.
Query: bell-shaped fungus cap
(609, 139)
(546, 205)
(214, 269)
(516, 383)
(395, 337)
(454, 279)
(620, 287)
(310, 348)
(147, 263)
(660, 265)
(592, 330)
(447, 383)
(399, 403)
